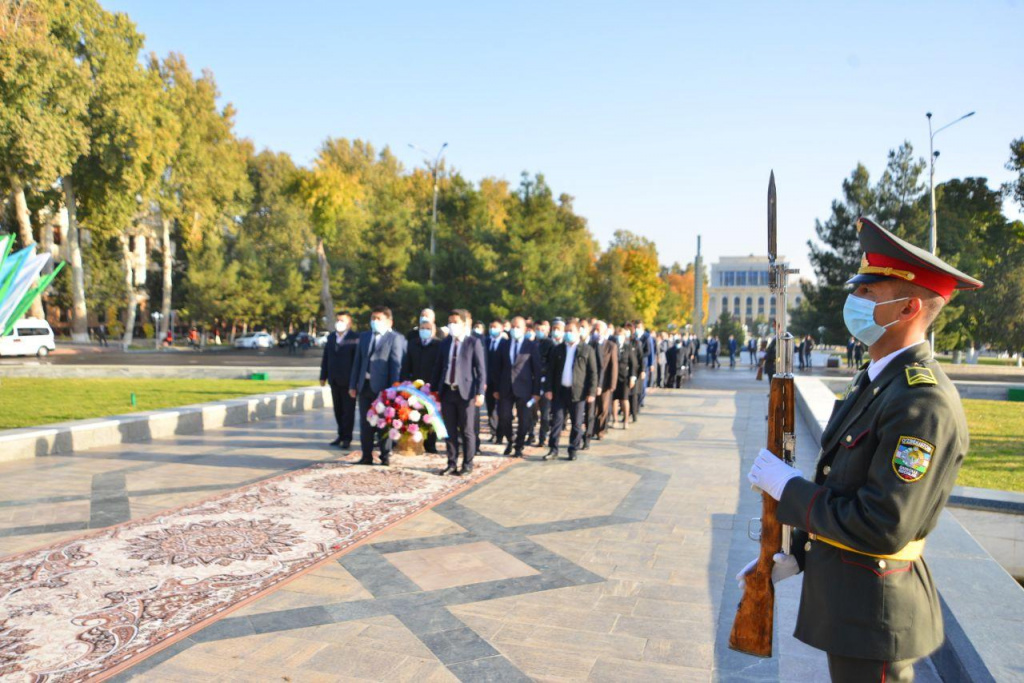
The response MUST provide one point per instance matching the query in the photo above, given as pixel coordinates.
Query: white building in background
(739, 284)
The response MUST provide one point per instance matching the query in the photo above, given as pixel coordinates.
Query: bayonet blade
(773, 225)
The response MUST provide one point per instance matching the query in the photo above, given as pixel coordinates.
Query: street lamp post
(933, 222)
(433, 223)
(157, 315)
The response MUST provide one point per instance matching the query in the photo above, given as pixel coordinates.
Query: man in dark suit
(607, 352)
(376, 366)
(542, 409)
(421, 358)
(336, 369)
(519, 384)
(460, 378)
(495, 335)
(413, 335)
(571, 385)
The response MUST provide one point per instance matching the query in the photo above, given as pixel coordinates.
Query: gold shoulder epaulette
(919, 375)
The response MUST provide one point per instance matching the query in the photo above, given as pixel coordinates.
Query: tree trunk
(165, 305)
(131, 295)
(24, 231)
(325, 282)
(79, 311)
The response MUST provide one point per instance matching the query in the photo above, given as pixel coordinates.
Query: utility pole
(434, 167)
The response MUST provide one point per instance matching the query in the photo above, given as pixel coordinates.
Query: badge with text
(912, 457)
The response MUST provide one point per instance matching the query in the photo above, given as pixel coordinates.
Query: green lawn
(996, 457)
(983, 360)
(29, 401)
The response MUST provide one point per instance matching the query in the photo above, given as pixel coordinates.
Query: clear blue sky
(659, 117)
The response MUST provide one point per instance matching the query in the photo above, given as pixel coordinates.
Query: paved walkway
(616, 567)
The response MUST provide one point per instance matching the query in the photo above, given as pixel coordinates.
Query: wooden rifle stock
(753, 628)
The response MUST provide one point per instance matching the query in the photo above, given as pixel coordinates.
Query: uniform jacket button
(881, 564)
(849, 438)
(826, 469)
(807, 546)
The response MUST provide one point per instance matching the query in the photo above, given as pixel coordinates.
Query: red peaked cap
(887, 256)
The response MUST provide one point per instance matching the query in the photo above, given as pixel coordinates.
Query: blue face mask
(517, 333)
(557, 335)
(377, 326)
(426, 334)
(495, 332)
(530, 336)
(570, 337)
(541, 334)
(859, 316)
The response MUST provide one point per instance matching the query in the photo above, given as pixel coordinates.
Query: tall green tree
(44, 93)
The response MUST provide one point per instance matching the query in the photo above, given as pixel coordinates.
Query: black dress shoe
(529, 440)
(365, 461)
(572, 454)
(553, 453)
(345, 445)
(518, 453)
(586, 444)
(336, 442)
(447, 471)
(385, 463)
(465, 471)
(508, 449)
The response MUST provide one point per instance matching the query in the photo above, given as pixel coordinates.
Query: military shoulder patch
(919, 375)
(912, 457)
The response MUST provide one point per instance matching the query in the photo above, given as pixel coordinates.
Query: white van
(30, 337)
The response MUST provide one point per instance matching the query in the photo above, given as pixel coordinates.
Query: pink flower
(378, 407)
(390, 393)
(414, 403)
(371, 417)
(395, 435)
(412, 429)
(428, 419)
(389, 413)
(397, 424)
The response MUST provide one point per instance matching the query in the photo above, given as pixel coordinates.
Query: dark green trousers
(855, 670)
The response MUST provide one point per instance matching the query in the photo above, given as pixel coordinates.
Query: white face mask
(340, 326)
(859, 316)
(457, 330)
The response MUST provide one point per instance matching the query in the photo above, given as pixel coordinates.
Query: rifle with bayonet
(753, 628)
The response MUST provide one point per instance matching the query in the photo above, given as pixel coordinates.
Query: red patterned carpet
(81, 608)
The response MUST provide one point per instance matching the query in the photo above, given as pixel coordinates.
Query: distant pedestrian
(849, 352)
(733, 346)
(101, 334)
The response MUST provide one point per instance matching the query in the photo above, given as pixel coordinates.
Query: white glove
(785, 566)
(771, 474)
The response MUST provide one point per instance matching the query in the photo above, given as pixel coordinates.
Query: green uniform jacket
(889, 459)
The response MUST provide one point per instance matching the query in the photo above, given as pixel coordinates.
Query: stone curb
(308, 373)
(982, 605)
(78, 435)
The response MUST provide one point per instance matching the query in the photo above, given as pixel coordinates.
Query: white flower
(417, 436)
(414, 416)
(379, 408)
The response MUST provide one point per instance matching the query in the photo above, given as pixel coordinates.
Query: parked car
(254, 340)
(300, 339)
(30, 337)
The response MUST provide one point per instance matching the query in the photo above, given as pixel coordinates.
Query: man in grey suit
(376, 366)
(460, 379)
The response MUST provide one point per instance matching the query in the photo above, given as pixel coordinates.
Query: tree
(640, 266)
(677, 302)
(132, 140)
(205, 184)
(726, 325)
(835, 259)
(610, 297)
(1015, 188)
(44, 91)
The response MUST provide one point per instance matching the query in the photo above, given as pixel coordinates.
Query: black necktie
(515, 350)
(373, 345)
(455, 357)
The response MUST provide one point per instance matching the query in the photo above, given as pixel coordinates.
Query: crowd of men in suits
(527, 379)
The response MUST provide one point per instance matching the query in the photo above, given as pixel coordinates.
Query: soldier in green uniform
(889, 459)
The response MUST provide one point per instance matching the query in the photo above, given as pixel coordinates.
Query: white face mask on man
(340, 326)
